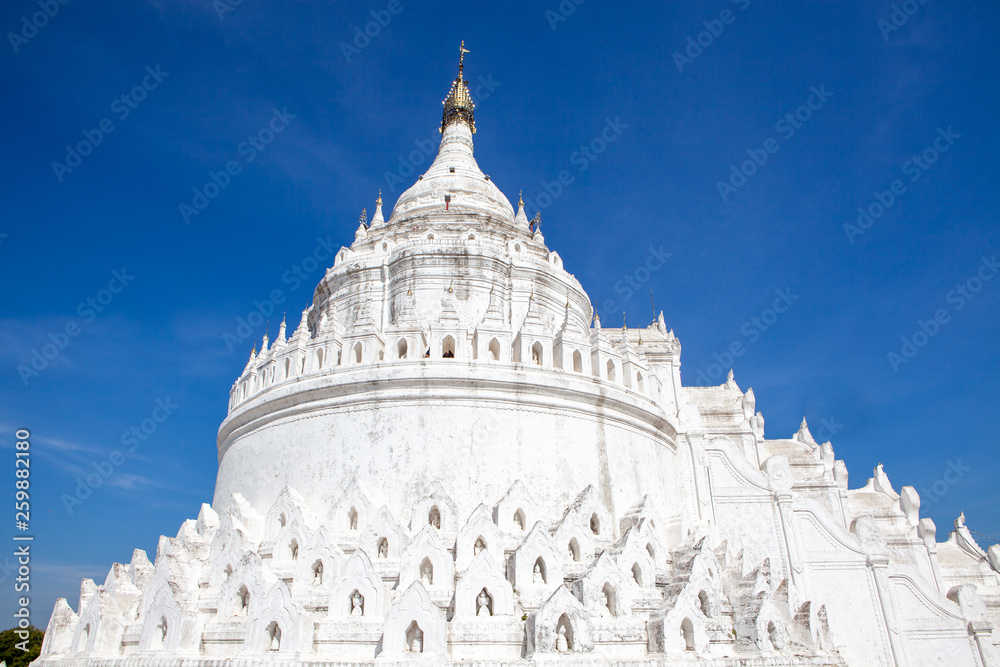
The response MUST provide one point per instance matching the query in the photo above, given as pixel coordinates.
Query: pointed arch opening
(484, 603)
(687, 634)
(519, 519)
(357, 353)
(414, 638)
(595, 524)
(352, 518)
(650, 550)
(611, 371)
(564, 634)
(319, 359)
(577, 362)
(274, 636)
(282, 520)
(479, 546)
(317, 572)
(637, 574)
(610, 600)
(539, 575)
(434, 517)
(293, 549)
(84, 641)
(401, 349)
(383, 548)
(494, 348)
(357, 603)
(773, 637)
(242, 601)
(160, 634)
(537, 355)
(574, 550)
(448, 348)
(640, 382)
(288, 368)
(703, 603)
(427, 572)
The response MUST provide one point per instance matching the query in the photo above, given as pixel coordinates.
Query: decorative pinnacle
(520, 198)
(461, 57)
(378, 202)
(458, 105)
(363, 219)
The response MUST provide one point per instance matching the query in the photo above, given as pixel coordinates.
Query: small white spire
(281, 330)
(362, 226)
(377, 219)
(521, 218)
(303, 322)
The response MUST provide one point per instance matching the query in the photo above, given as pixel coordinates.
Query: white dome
(454, 180)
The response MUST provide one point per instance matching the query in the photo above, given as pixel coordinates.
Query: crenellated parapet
(288, 585)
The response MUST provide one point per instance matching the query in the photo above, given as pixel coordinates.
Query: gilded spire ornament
(458, 106)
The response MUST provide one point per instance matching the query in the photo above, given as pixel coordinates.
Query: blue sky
(704, 164)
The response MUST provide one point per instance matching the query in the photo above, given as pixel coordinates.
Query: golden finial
(378, 202)
(520, 198)
(461, 58)
(254, 350)
(459, 105)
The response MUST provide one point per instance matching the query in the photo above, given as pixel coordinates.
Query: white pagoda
(448, 461)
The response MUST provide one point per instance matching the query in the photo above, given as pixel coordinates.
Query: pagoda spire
(521, 218)
(377, 219)
(458, 106)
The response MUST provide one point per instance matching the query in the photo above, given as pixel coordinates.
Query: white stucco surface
(448, 461)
